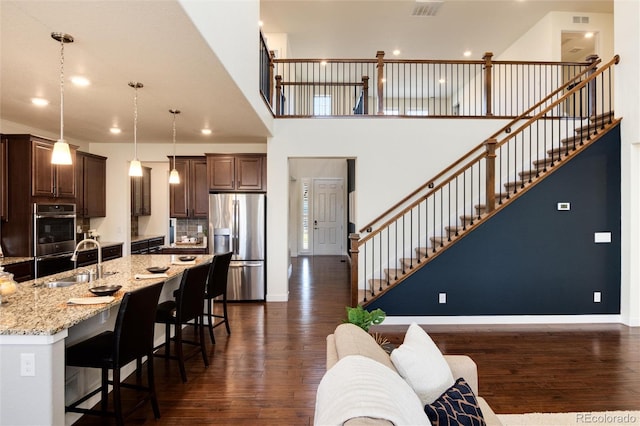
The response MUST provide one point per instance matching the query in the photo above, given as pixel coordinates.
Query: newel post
(488, 90)
(490, 188)
(353, 251)
(278, 94)
(592, 103)
(380, 68)
(365, 93)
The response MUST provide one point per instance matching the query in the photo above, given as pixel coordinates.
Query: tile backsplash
(189, 227)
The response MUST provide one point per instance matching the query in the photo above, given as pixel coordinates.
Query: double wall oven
(54, 238)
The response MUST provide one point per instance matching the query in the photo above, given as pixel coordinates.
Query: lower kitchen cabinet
(22, 271)
(147, 246)
(90, 257)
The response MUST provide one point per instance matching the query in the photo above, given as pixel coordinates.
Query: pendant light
(174, 177)
(61, 153)
(135, 168)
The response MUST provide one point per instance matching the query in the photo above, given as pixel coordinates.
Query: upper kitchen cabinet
(190, 197)
(141, 193)
(29, 160)
(91, 185)
(3, 179)
(238, 172)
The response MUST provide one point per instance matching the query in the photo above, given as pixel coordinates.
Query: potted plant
(365, 319)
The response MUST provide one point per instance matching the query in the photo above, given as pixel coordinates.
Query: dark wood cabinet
(3, 179)
(22, 271)
(51, 180)
(141, 193)
(190, 198)
(238, 172)
(148, 246)
(90, 257)
(91, 181)
(31, 178)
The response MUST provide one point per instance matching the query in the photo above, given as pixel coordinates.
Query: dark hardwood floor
(267, 371)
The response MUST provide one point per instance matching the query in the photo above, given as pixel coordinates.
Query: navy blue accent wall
(530, 258)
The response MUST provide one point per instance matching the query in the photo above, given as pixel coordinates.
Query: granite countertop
(11, 260)
(35, 309)
(180, 245)
(136, 238)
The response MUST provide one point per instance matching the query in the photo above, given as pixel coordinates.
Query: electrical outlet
(199, 228)
(104, 316)
(28, 365)
(597, 297)
(564, 206)
(442, 298)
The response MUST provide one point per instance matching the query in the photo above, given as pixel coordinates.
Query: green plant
(363, 318)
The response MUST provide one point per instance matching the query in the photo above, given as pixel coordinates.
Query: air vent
(426, 8)
(580, 19)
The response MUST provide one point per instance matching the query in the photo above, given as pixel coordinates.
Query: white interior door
(328, 216)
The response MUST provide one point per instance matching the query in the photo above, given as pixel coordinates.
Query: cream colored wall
(627, 93)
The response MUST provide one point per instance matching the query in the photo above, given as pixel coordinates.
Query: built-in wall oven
(54, 238)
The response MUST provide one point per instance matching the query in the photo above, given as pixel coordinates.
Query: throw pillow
(420, 362)
(357, 387)
(458, 406)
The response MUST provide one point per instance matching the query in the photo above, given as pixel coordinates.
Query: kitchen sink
(82, 277)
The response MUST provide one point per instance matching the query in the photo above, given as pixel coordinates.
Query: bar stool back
(131, 339)
(217, 288)
(187, 306)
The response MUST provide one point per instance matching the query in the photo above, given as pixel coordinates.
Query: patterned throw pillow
(458, 406)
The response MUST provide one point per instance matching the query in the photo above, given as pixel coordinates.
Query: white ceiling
(155, 43)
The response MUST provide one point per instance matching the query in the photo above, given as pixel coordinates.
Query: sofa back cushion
(352, 340)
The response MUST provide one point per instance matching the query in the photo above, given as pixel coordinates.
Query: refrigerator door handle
(245, 264)
(236, 227)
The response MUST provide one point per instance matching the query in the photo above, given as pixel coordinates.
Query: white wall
(418, 148)
(627, 93)
(543, 41)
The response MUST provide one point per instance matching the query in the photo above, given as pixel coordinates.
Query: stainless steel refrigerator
(237, 224)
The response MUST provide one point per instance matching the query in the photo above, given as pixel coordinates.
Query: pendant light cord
(135, 122)
(62, 88)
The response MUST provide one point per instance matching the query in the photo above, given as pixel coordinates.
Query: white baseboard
(505, 319)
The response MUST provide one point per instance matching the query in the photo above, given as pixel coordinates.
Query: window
(305, 214)
(322, 105)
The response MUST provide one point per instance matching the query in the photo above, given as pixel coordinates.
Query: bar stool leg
(152, 386)
(178, 340)
(117, 403)
(210, 320)
(104, 403)
(203, 349)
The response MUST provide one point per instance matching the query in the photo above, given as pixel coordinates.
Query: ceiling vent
(580, 19)
(426, 8)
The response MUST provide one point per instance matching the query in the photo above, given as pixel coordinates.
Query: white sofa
(346, 393)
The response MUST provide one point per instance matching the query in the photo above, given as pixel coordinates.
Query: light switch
(442, 298)
(602, 237)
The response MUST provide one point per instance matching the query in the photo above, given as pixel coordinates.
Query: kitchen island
(37, 324)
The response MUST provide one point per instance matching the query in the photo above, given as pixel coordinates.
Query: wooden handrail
(493, 136)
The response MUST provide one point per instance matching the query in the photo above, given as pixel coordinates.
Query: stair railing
(467, 188)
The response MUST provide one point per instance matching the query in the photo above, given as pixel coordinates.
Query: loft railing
(422, 224)
(423, 88)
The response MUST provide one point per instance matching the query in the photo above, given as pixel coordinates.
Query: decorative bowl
(105, 290)
(158, 269)
(187, 258)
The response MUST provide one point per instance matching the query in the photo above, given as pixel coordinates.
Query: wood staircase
(556, 157)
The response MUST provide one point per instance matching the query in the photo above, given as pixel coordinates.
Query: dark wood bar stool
(217, 288)
(187, 306)
(131, 339)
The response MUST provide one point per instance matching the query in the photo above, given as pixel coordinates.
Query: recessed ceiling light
(323, 63)
(39, 102)
(396, 52)
(588, 35)
(206, 131)
(442, 81)
(115, 130)
(467, 53)
(80, 81)
(260, 24)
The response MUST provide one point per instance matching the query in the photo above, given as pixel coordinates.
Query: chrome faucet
(74, 257)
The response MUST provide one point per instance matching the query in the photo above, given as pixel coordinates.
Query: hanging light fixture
(135, 168)
(61, 153)
(174, 177)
